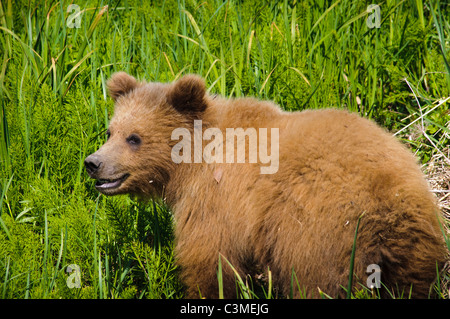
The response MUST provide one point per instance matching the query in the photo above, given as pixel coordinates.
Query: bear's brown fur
(334, 166)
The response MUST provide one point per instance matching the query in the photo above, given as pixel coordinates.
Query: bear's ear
(120, 84)
(187, 95)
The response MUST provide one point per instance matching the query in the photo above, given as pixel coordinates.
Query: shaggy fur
(333, 167)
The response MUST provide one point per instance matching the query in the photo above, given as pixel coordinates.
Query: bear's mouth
(108, 184)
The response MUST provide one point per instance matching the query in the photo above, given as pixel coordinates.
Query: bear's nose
(92, 164)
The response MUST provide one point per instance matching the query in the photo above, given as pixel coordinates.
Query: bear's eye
(134, 140)
(108, 134)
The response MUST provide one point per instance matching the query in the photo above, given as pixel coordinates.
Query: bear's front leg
(199, 264)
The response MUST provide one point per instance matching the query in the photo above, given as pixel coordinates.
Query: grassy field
(391, 64)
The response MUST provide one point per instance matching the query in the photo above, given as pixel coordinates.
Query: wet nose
(92, 164)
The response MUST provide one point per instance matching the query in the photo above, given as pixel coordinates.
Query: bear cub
(264, 189)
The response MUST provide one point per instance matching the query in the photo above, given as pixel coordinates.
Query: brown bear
(272, 190)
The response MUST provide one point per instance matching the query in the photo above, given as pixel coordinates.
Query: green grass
(54, 111)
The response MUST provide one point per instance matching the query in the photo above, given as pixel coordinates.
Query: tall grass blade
(352, 260)
(5, 280)
(220, 278)
(44, 280)
(243, 287)
(437, 19)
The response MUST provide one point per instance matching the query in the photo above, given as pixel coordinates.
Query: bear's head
(136, 157)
